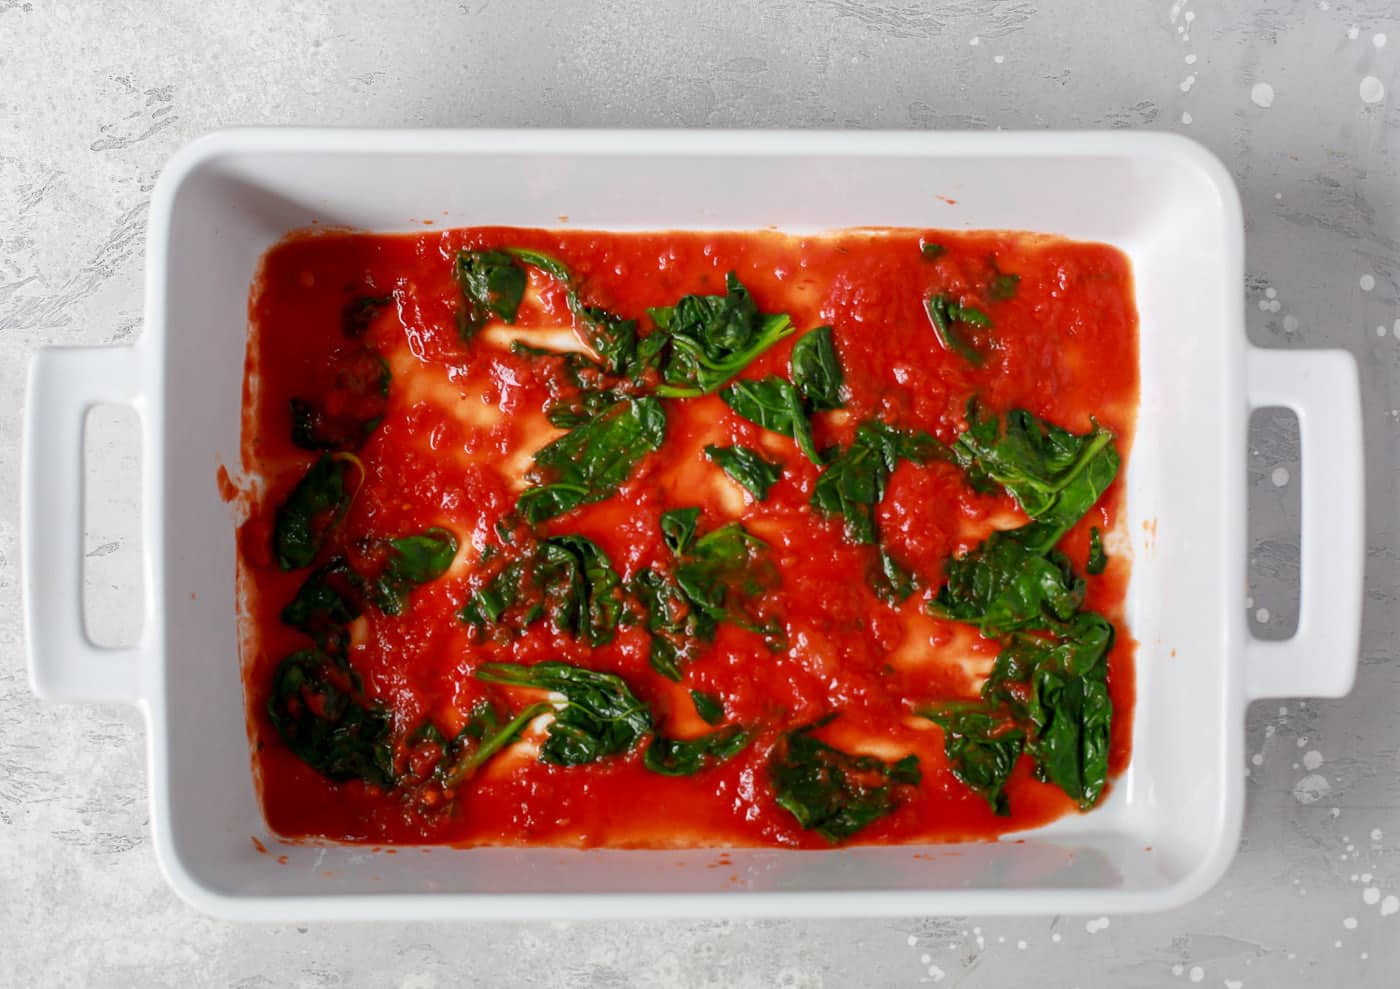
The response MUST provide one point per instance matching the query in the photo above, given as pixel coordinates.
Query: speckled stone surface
(1300, 99)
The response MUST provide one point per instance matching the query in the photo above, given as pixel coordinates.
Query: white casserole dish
(1172, 822)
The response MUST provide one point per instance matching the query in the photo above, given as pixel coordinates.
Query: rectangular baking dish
(1173, 820)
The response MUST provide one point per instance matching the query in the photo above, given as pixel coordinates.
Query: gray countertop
(1301, 101)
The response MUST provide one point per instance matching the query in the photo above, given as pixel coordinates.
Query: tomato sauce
(456, 434)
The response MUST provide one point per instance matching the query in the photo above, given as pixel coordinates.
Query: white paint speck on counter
(1262, 95)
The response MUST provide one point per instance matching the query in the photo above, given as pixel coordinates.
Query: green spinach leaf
(599, 717)
(492, 286)
(718, 577)
(853, 484)
(678, 528)
(582, 592)
(947, 318)
(416, 560)
(708, 339)
(567, 578)
(1057, 684)
(611, 337)
(688, 756)
(932, 251)
(892, 582)
(722, 574)
(330, 598)
(498, 595)
(1004, 585)
(982, 748)
(1055, 476)
(591, 462)
(1002, 285)
(1098, 559)
(317, 708)
(815, 370)
(832, 792)
(775, 404)
(756, 473)
(483, 736)
(708, 706)
(677, 628)
(594, 390)
(315, 506)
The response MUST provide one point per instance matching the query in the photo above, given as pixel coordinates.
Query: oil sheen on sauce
(463, 419)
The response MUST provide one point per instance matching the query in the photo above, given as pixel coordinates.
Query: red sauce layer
(462, 419)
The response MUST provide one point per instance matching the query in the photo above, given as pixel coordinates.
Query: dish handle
(1322, 389)
(64, 663)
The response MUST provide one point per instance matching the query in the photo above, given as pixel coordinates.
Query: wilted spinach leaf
(1002, 286)
(688, 756)
(483, 736)
(676, 626)
(314, 507)
(1098, 559)
(982, 748)
(591, 462)
(600, 715)
(582, 592)
(718, 577)
(947, 318)
(1055, 476)
(853, 484)
(416, 560)
(678, 528)
(492, 286)
(1004, 585)
(1072, 717)
(567, 578)
(833, 792)
(611, 337)
(747, 467)
(709, 707)
(725, 569)
(594, 390)
(1054, 683)
(330, 598)
(932, 251)
(707, 339)
(1058, 684)
(491, 602)
(775, 404)
(815, 370)
(317, 709)
(891, 581)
